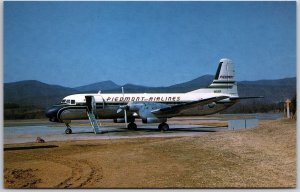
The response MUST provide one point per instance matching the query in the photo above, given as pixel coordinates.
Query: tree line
(16, 111)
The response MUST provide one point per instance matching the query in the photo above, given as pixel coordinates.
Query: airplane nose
(51, 113)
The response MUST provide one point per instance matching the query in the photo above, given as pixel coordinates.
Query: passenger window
(68, 101)
(72, 101)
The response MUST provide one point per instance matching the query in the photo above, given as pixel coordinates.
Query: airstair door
(91, 112)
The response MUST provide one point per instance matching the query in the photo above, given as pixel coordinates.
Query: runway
(28, 130)
(50, 132)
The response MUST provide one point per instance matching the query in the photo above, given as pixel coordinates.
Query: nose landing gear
(68, 130)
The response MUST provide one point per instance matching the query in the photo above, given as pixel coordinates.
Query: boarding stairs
(93, 122)
(91, 110)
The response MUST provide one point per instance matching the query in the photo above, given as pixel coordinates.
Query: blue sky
(146, 43)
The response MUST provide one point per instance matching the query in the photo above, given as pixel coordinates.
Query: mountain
(40, 94)
(274, 91)
(104, 85)
(278, 82)
(197, 83)
(132, 88)
(32, 92)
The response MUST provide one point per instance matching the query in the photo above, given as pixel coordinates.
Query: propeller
(125, 109)
(130, 105)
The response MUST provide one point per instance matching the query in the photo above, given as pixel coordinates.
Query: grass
(262, 157)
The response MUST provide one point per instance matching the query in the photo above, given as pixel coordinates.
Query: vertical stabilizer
(225, 75)
(224, 80)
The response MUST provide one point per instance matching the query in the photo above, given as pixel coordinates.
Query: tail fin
(224, 81)
(225, 76)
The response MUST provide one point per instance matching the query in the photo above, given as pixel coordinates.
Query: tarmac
(24, 134)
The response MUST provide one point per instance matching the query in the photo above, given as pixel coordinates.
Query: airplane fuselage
(74, 106)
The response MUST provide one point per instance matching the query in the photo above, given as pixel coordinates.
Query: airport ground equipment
(242, 123)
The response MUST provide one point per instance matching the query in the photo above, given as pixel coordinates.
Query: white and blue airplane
(150, 107)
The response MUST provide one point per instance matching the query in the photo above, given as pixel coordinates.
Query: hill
(274, 91)
(43, 95)
(199, 82)
(104, 85)
(32, 92)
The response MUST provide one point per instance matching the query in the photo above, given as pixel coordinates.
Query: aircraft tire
(163, 127)
(160, 127)
(132, 126)
(68, 131)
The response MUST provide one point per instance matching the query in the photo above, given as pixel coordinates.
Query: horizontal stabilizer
(240, 98)
(181, 107)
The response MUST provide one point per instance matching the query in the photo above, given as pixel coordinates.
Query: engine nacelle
(154, 120)
(134, 106)
(122, 120)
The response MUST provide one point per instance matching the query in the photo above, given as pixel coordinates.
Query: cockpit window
(65, 101)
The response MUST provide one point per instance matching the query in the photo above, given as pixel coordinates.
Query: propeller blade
(125, 117)
(125, 108)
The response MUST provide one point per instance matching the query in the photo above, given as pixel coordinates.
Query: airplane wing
(240, 98)
(181, 107)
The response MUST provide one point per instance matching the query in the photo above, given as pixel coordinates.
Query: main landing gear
(68, 130)
(132, 126)
(163, 127)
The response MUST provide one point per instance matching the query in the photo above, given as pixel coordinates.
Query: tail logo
(226, 77)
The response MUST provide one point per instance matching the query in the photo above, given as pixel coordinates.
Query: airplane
(150, 107)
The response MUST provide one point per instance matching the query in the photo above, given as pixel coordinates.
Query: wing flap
(181, 107)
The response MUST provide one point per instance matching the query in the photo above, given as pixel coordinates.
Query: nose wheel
(68, 130)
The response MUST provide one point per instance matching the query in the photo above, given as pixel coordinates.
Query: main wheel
(163, 127)
(132, 126)
(68, 131)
